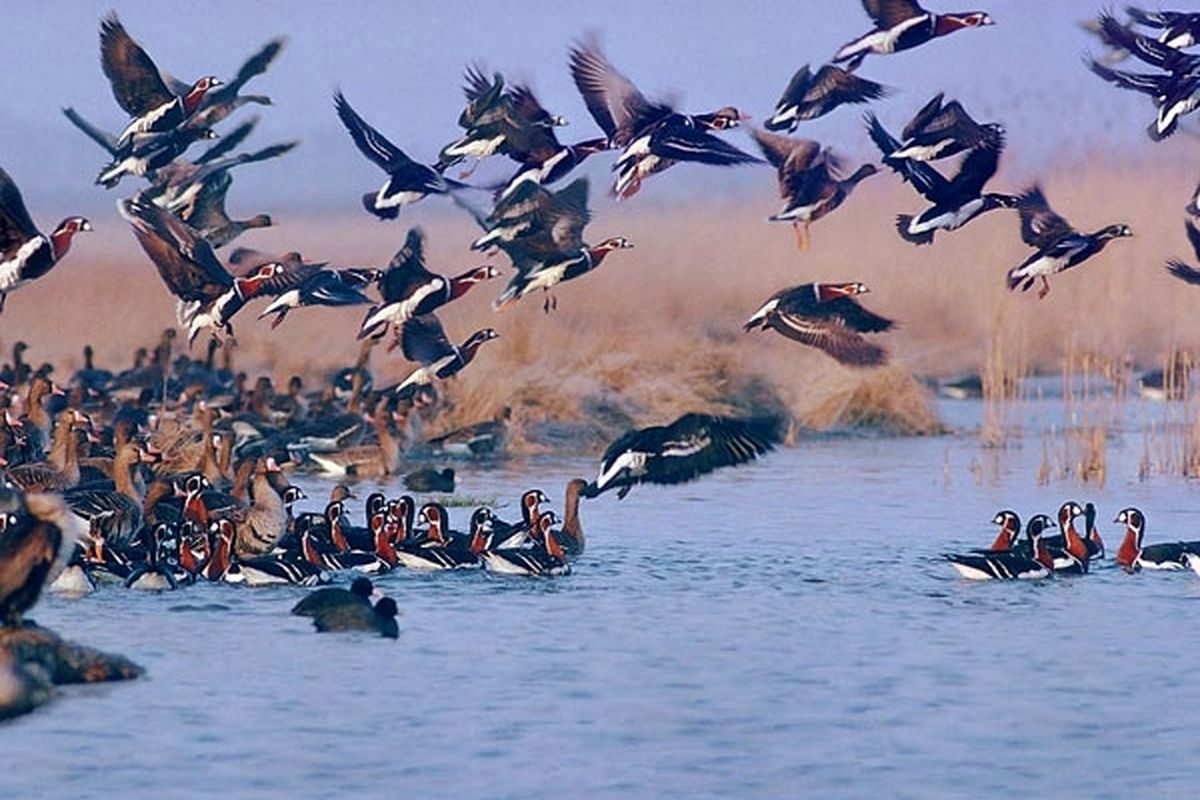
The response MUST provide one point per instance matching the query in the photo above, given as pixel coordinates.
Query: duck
(149, 152)
(1031, 564)
(207, 294)
(333, 288)
(1010, 532)
(409, 289)
(155, 573)
(60, 471)
(367, 460)
(1179, 29)
(653, 136)
(1087, 545)
(501, 535)
(336, 559)
(114, 513)
(37, 537)
(826, 316)
(1133, 555)
(260, 525)
(437, 548)
(549, 249)
(25, 253)
(320, 600)
(570, 537)
(139, 88)
(380, 618)
(220, 102)
(810, 96)
(956, 201)
(810, 181)
(423, 340)
(1059, 246)
(264, 570)
(477, 439)
(408, 181)
(545, 559)
(486, 120)
(1175, 93)
(691, 446)
(1069, 550)
(1094, 541)
(902, 25)
(430, 480)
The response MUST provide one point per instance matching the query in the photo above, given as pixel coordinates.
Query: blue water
(780, 630)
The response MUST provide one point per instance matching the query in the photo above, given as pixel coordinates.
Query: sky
(401, 63)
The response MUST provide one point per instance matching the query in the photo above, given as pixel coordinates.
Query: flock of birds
(120, 495)
(1041, 555)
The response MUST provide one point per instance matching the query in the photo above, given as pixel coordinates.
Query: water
(780, 630)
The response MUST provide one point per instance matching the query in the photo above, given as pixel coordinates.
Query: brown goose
(61, 469)
(370, 460)
(258, 527)
(114, 515)
(570, 536)
(826, 316)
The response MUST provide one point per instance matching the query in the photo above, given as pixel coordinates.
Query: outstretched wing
(16, 227)
(1040, 226)
(370, 142)
(924, 177)
(136, 82)
(614, 102)
(422, 339)
(889, 13)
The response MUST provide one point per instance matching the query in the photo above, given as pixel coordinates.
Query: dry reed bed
(656, 331)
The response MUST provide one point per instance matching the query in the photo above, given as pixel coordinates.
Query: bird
(423, 340)
(430, 480)
(691, 446)
(653, 136)
(409, 289)
(808, 96)
(380, 618)
(902, 25)
(1179, 269)
(26, 254)
(547, 246)
(956, 201)
(940, 130)
(1134, 555)
(220, 102)
(1010, 532)
(1029, 564)
(825, 316)
(37, 538)
(139, 88)
(1180, 29)
(546, 558)
(150, 151)
(207, 294)
(1176, 92)
(408, 181)
(1059, 246)
(315, 284)
(809, 180)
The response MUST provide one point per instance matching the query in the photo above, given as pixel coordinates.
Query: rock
(33, 660)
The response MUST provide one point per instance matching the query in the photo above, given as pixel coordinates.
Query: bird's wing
(422, 339)
(102, 138)
(832, 336)
(614, 102)
(185, 261)
(1040, 226)
(684, 143)
(889, 13)
(922, 117)
(843, 86)
(136, 83)
(924, 177)
(1193, 234)
(370, 142)
(16, 227)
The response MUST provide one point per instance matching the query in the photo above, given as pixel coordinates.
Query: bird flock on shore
(201, 495)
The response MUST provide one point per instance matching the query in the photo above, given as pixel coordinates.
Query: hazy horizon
(402, 69)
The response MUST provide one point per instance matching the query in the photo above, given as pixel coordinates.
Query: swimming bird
(1134, 555)
(1030, 564)
(408, 181)
(139, 88)
(423, 340)
(902, 25)
(1007, 538)
(956, 201)
(381, 618)
(810, 181)
(477, 439)
(810, 96)
(542, 233)
(825, 316)
(1059, 246)
(546, 558)
(691, 446)
(320, 600)
(653, 136)
(430, 480)
(37, 537)
(207, 294)
(26, 254)
(409, 289)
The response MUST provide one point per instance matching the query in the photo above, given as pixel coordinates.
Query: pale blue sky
(400, 64)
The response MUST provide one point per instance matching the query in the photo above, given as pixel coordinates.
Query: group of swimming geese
(1040, 555)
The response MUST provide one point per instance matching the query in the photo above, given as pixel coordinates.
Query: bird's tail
(903, 227)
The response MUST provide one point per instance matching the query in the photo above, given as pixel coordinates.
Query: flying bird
(809, 96)
(902, 25)
(423, 340)
(26, 254)
(691, 446)
(825, 316)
